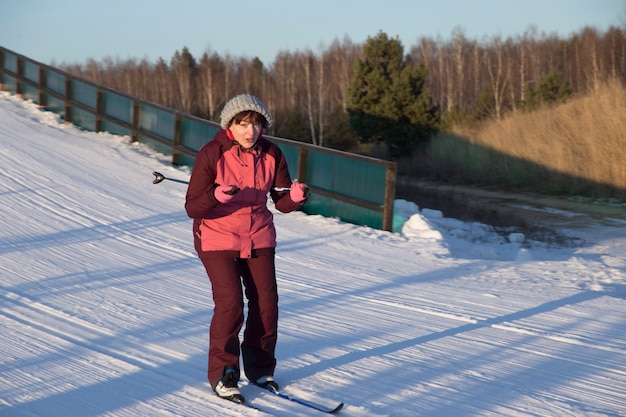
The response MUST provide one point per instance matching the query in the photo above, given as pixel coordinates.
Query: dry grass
(575, 148)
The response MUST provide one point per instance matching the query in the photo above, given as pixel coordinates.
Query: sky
(105, 307)
(73, 31)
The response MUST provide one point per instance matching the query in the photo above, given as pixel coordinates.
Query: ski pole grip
(158, 177)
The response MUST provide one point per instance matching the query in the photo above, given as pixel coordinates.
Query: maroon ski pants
(227, 272)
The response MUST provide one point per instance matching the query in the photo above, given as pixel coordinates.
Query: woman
(235, 239)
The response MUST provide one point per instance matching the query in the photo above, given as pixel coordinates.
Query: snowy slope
(104, 307)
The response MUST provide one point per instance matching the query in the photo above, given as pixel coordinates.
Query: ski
(245, 404)
(317, 405)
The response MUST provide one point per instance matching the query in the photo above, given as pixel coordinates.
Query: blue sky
(72, 31)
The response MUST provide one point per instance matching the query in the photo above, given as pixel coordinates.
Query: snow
(105, 309)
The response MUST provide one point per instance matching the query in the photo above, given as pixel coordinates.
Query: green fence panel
(328, 207)
(10, 62)
(54, 81)
(30, 71)
(118, 107)
(186, 160)
(85, 94)
(115, 128)
(338, 174)
(157, 121)
(194, 134)
(156, 145)
(291, 153)
(30, 93)
(54, 105)
(9, 83)
(83, 119)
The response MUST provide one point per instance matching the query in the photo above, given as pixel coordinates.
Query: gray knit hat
(243, 102)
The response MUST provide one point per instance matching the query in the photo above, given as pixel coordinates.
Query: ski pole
(158, 177)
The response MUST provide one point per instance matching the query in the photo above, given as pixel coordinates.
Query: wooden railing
(354, 188)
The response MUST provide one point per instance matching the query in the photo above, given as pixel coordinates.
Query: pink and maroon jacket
(244, 223)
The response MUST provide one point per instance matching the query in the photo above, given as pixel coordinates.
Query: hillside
(105, 308)
(574, 148)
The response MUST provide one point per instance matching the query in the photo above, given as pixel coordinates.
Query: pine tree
(387, 99)
(549, 90)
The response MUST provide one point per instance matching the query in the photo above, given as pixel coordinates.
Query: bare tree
(498, 73)
(526, 45)
(321, 99)
(210, 70)
(307, 63)
(340, 59)
(184, 72)
(459, 44)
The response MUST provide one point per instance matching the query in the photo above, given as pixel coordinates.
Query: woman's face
(246, 132)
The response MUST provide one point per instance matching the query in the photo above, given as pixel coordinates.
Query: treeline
(308, 93)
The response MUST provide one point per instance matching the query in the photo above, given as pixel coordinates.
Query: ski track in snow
(105, 308)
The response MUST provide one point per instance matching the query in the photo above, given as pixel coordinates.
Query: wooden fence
(354, 188)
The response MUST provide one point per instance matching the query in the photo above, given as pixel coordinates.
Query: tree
(387, 99)
(485, 105)
(549, 90)
(461, 72)
(209, 70)
(338, 132)
(499, 70)
(184, 70)
(294, 127)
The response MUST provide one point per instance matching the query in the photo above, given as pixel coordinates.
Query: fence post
(68, 100)
(20, 72)
(302, 157)
(390, 193)
(175, 151)
(134, 134)
(99, 105)
(42, 85)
